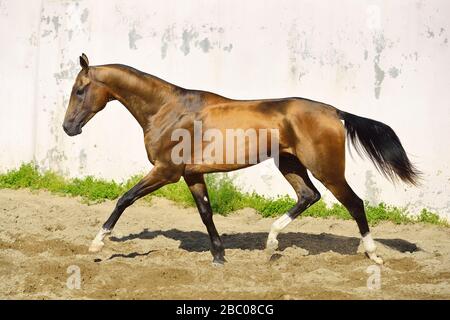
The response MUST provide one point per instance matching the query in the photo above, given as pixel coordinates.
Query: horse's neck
(142, 94)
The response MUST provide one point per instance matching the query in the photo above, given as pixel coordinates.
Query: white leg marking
(370, 247)
(205, 198)
(97, 244)
(277, 227)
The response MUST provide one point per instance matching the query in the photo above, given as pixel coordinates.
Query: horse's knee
(125, 201)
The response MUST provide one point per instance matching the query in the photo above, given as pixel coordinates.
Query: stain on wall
(56, 25)
(83, 160)
(3, 9)
(228, 48)
(379, 44)
(373, 193)
(303, 53)
(187, 38)
(166, 38)
(133, 37)
(394, 72)
(84, 16)
(68, 71)
(205, 45)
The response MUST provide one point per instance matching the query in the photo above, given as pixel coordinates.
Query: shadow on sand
(196, 241)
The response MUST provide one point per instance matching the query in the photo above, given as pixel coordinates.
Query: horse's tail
(380, 143)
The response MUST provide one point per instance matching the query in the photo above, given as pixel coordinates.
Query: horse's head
(87, 98)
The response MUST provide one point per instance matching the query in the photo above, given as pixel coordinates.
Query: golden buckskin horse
(311, 137)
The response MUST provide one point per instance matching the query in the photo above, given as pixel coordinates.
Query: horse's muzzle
(71, 130)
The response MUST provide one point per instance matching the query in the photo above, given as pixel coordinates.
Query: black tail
(380, 143)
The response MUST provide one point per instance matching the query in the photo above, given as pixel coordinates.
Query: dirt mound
(162, 251)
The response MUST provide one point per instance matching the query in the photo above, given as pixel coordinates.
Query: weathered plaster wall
(387, 60)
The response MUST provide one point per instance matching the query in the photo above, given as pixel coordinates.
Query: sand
(161, 251)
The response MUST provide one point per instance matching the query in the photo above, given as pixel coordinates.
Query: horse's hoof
(272, 245)
(274, 257)
(219, 262)
(96, 247)
(373, 256)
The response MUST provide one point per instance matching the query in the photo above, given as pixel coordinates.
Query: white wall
(387, 60)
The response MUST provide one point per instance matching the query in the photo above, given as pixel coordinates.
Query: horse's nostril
(71, 130)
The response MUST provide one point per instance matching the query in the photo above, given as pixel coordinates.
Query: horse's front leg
(197, 186)
(158, 177)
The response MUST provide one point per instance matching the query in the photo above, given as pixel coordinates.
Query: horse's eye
(80, 91)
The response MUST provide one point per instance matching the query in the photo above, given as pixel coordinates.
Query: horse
(311, 137)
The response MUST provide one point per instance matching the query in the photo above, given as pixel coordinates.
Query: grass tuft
(224, 195)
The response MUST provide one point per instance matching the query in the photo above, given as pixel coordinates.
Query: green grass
(225, 196)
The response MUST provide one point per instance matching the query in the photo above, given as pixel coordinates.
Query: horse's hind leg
(326, 161)
(344, 193)
(296, 174)
(197, 186)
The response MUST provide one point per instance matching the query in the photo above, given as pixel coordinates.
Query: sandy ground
(161, 251)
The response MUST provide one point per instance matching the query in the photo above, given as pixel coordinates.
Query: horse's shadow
(196, 241)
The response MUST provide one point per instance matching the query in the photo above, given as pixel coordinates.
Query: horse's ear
(84, 61)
